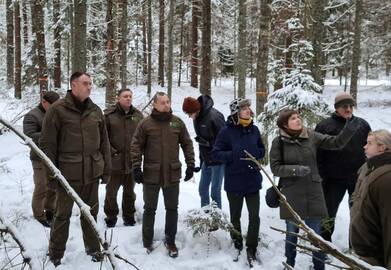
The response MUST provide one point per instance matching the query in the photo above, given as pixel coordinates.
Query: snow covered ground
(16, 184)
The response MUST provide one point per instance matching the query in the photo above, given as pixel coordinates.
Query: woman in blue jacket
(242, 177)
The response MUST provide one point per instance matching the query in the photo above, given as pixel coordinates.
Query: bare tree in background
(123, 48)
(170, 58)
(10, 43)
(18, 52)
(206, 76)
(79, 33)
(160, 76)
(57, 44)
(111, 52)
(356, 57)
(149, 75)
(25, 12)
(195, 14)
(241, 63)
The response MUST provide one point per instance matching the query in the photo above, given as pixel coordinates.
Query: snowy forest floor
(16, 184)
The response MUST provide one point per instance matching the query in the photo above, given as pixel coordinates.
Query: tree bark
(79, 32)
(145, 52)
(40, 43)
(10, 43)
(161, 44)
(18, 52)
(194, 43)
(170, 58)
(356, 57)
(149, 75)
(181, 44)
(111, 51)
(205, 80)
(242, 49)
(318, 35)
(263, 55)
(57, 44)
(25, 23)
(123, 43)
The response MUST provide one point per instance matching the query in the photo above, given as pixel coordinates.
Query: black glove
(352, 123)
(301, 170)
(197, 169)
(105, 179)
(138, 175)
(189, 173)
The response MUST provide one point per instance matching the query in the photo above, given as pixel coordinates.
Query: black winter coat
(342, 165)
(207, 125)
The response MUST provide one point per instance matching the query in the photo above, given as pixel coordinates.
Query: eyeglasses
(347, 106)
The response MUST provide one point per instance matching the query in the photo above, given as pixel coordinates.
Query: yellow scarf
(245, 122)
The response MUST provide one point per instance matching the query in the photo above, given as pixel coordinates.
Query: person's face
(193, 115)
(373, 148)
(162, 104)
(125, 99)
(45, 105)
(294, 122)
(245, 112)
(346, 110)
(81, 87)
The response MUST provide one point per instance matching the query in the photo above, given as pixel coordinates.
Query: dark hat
(283, 117)
(191, 105)
(238, 103)
(342, 99)
(50, 96)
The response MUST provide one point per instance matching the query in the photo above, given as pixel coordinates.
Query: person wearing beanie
(43, 197)
(293, 159)
(338, 169)
(207, 124)
(242, 178)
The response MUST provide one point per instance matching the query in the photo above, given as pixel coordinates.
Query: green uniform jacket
(304, 194)
(159, 140)
(32, 126)
(370, 215)
(120, 129)
(76, 142)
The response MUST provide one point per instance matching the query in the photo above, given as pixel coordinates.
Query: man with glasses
(338, 168)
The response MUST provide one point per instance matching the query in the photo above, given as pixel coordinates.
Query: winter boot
(251, 257)
(129, 221)
(172, 250)
(110, 222)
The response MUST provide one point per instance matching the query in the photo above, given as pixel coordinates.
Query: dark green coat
(120, 129)
(158, 139)
(305, 194)
(32, 126)
(76, 141)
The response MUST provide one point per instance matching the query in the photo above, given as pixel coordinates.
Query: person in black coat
(338, 168)
(242, 177)
(207, 123)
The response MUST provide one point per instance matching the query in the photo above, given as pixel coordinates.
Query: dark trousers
(291, 241)
(151, 198)
(128, 196)
(333, 193)
(235, 210)
(60, 228)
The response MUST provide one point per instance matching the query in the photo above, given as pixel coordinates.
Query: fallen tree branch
(315, 239)
(84, 208)
(10, 229)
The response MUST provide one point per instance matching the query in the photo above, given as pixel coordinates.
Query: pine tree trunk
(149, 75)
(242, 49)
(263, 55)
(25, 23)
(111, 47)
(18, 52)
(79, 32)
(145, 52)
(170, 58)
(205, 80)
(69, 37)
(57, 44)
(10, 43)
(194, 43)
(161, 44)
(123, 44)
(318, 35)
(40, 42)
(181, 41)
(356, 57)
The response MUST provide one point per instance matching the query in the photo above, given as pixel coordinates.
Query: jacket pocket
(97, 165)
(71, 166)
(175, 171)
(151, 173)
(117, 161)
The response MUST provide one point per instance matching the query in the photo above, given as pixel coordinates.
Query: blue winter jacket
(241, 176)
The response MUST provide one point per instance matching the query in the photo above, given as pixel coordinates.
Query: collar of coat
(378, 161)
(161, 116)
(303, 135)
(339, 118)
(70, 103)
(117, 107)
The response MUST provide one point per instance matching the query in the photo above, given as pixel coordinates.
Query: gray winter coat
(304, 194)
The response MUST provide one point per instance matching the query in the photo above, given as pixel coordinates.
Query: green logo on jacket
(174, 124)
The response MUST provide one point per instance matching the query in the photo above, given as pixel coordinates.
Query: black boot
(129, 221)
(110, 222)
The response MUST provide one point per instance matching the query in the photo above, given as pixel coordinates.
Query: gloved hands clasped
(138, 175)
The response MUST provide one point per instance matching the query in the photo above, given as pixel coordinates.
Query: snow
(374, 101)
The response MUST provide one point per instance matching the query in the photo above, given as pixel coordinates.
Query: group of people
(121, 147)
